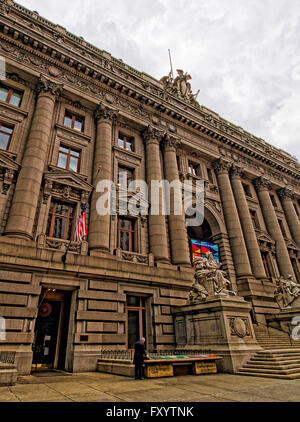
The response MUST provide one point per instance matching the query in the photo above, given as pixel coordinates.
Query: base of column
(18, 235)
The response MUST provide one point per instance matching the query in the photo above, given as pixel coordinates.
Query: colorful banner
(202, 248)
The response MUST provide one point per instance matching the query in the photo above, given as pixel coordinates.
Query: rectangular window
(126, 142)
(210, 175)
(194, 169)
(254, 219)
(135, 319)
(10, 96)
(125, 176)
(273, 200)
(5, 136)
(60, 220)
(247, 190)
(282, 228)
(267, 264)
(126, 234)
(73, 121)
(68, 158)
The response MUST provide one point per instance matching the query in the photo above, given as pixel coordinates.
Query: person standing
(138, 359)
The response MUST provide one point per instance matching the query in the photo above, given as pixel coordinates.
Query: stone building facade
(72, 115)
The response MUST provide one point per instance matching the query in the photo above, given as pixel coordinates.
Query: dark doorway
(135, 319)
(51, 330)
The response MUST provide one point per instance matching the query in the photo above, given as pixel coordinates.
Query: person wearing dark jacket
(138, 360)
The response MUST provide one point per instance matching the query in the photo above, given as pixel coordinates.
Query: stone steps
(281, 363)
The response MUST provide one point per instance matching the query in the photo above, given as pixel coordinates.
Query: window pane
(73, 163)
(120, 143)
(15, 99)
(59, 227)
(6, 129)
(4, 139)
(3, 94)
(63, 149)
(124, 241)
(125, 224)
(62, 161)
(129, 145)
(68, 121)
(133, 328)
(133, 300)
(78, 124)
(75, 153)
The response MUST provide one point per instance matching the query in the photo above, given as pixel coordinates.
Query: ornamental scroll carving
(45, 85)
(106, 113)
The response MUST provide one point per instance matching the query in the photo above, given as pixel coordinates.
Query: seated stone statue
(207, 272)
(286, 291)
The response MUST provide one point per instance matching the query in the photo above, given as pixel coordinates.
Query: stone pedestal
(221, 325)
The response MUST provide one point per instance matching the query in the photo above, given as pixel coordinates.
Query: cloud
(242, 55)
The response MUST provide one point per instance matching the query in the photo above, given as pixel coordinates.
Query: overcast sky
(243, 55)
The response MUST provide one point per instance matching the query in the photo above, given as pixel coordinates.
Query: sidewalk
(100, 387)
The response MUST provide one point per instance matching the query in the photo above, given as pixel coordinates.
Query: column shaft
(247, 226)
(177, 227)
(99, 227)
(157, 223)
(25, 199)
(235, 233)
(292, 218)
(282, 255)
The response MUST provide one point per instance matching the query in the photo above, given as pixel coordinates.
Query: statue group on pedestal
(180, 87)
(209, 280)
(286, 291)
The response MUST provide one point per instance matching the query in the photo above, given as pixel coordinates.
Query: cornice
(90, 63)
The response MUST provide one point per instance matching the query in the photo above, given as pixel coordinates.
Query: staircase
(280, 357)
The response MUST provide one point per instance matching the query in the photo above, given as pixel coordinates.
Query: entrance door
(136, 319)
(52, 321)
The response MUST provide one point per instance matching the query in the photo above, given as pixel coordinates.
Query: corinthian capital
(236, 171)
(285, 193)
(152, 135)
(104, 112)
(171, 142)
(261, 184)
(46, 86)
(221, 166)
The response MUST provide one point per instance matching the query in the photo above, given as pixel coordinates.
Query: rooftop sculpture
(180, 87)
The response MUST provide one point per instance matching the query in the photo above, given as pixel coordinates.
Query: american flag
(81, 229)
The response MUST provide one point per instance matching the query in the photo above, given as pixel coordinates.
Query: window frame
(69, 155)
(142, 312)
(127, 140)
(132, 233)
(265, 256)
(11, 92)
(254, 218)
(195, 167)
(73, 117)
(68, 218)
(5, 133)
(127, 169)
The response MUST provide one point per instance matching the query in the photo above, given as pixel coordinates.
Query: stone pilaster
(234, 229)
(286, 196)
(246, 223)
(177, 227)
(284, 263)
(157, 223)
(99, 227)
(25, 199)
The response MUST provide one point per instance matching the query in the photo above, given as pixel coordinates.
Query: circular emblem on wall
(45, 310)
(54, 71)
(109, 98)
(239, 327)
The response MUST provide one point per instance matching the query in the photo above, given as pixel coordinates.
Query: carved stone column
(177, 227)
(246, 222)
(25, 199)
(235, 233)
(282, 255)
(99, 227)
(157, 223)
(286, 196)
